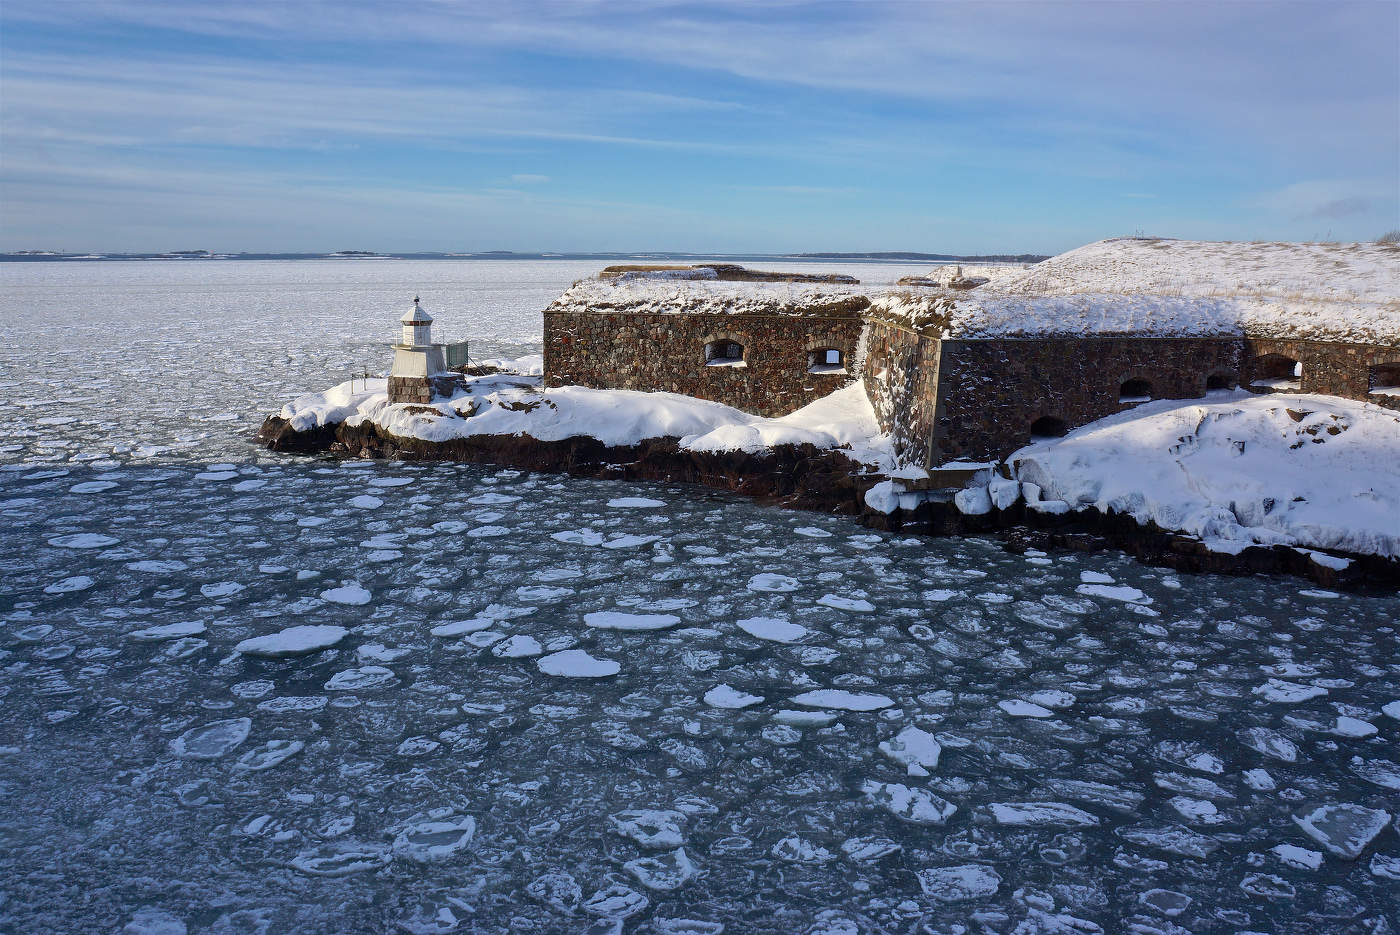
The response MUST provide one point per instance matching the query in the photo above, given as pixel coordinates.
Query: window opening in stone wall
(724, 353)
(1276, 372)
(1385, 379)
(1220, 381)
(826, 360)
(1048, 427)
(1135, 391)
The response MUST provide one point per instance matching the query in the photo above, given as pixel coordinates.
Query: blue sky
(299, 125)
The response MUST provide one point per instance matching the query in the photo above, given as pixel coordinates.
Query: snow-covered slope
(1337, 292)
(516, 405)
(658, 296)
(1237, 470)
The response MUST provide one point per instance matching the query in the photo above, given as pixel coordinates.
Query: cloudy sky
(299, 125)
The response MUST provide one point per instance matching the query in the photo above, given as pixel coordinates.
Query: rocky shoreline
(808, 478)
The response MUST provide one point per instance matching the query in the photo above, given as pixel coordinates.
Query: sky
(938, 127)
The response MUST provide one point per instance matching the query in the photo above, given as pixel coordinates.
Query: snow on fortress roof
(666, 295)
(1328, 292)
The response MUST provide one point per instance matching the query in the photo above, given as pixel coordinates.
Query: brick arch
(1384, 375)
(1220, 380)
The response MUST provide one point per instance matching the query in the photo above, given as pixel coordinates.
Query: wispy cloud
(1032, 117)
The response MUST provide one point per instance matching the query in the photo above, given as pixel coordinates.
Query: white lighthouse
(417, 360)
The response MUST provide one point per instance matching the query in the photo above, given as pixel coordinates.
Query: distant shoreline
(196, 256)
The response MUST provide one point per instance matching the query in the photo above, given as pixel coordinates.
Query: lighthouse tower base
(419, 373)
(421, 389)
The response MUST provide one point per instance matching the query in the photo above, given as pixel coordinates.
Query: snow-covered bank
(1236, 470)
(1176, 288)
(505, 405)
(1230, 483)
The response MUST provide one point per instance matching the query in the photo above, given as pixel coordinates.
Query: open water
(566, 705)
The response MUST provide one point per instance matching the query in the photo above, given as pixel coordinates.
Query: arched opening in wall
(826, 360)
(1220, 381)
(1135, 391)
(1385, 379)
(724, 353)
(1048, 427)
(1275, 372)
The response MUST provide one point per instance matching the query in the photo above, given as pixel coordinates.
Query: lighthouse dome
(418, 315)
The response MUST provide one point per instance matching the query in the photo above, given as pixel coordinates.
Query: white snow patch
(1310, 471)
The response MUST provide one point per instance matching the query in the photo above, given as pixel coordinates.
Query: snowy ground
(1332, 292)
(1237, 470)
(1104, 742)
(506, 405)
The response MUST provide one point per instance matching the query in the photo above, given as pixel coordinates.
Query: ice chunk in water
(349, 593)
(614, 620)
(1343, 829)
(651, 827)
(1169, 903)
(1018, 708)
(168, 631)
(772, 628)
(70, 585)
(869, 848)
(798, 850)
(83, 540)
(1173, 839)
(959, 883)
(804, 718)
(914, 748)
(575, 663)
(517, 647)
(426, 839)
(1041, 813)
(768, 581)
(724, 696)
(615, 902)
(341, 859)
(213, 740)
(665, 872)
(843, 700)
(1288, 692)
(1270, 743)
(360, 679)
(556, 889)
(293, 641)
(268, 755)
(919, 806)
(1298, 857)
(634, 503)
(852, 604)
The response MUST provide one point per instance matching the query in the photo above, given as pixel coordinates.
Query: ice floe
(213, 740)
(576, 663)
(842, 700)
(293, 641)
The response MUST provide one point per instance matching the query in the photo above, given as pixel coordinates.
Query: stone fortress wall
(667, 352)
(942, 400)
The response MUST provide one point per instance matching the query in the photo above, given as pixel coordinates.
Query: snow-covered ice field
(535, 703)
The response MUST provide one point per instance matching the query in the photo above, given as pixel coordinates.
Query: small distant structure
(420, 367)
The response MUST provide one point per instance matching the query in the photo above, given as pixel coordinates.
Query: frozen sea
(248, 693)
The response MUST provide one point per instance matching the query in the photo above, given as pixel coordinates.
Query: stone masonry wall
(1329, 368)
(420, 390)
(989, 392)
(901, 380)
(666, 353)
